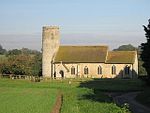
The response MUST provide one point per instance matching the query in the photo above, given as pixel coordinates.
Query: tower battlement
(50, 27)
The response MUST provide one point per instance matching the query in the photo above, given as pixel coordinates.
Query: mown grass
(74, 102)
(20, 97)
(90, 95)
(81, 96)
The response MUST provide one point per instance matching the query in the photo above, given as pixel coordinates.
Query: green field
(81, 96)
(21, 97)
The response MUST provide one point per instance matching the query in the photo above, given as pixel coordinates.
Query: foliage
(29, 51)
(16, 65)
(2, 51)
(13, 52)
(3, 59)
(128, 47)
(24, 51)
(36, 68)
(22, 62)
(142, 70)
(145, 50)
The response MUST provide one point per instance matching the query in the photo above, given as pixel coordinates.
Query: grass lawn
(90, 97)
(23, 97)
(81, 96)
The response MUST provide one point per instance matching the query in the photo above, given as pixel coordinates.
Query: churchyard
(79, 95)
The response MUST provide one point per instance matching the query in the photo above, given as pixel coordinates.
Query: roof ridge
(123, 51)
(83, 46)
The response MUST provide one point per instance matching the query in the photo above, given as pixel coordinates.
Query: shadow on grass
(102, 89)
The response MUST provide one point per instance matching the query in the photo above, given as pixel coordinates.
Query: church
(63, 61)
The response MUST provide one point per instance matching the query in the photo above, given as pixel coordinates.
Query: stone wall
(93, 70)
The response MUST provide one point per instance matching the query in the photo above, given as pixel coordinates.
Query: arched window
(62, 73)
(72, 70)
(86, 71)
(127, 70)
(99, 70)
(113, 70)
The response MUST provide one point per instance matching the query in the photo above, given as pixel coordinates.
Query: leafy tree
(128, 47)
(145, 50)
(6, 69)
(13, 52)
(29, 51)
(2, 51)
(37, 66)
(22, 62)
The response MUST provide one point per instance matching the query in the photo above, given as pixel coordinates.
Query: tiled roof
(121, 57)
(81, 54)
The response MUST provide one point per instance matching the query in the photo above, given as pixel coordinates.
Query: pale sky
(81, 22)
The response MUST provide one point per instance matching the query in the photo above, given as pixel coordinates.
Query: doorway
(62, 73)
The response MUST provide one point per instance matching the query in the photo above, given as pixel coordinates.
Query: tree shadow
(104, 89)
(98, 94)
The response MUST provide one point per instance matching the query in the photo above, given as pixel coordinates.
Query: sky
(81, 22)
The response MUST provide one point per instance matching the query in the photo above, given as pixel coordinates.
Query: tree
(13, 52)
(36, 68)
(145, 50)
(2, 51)
(29, 51)
(128, 47)
(22, 62)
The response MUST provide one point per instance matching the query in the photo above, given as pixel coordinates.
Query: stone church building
(84, 61)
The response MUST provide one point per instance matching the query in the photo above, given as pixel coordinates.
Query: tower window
(52, 35)
(99, 70)
(86, 71)
(72, 70)
(113, 71)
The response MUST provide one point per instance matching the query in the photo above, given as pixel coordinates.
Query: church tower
(50, 45)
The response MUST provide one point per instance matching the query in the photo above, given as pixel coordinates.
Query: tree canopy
(21, 62)
(128, 47)
(2, 50)
(145, 49)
